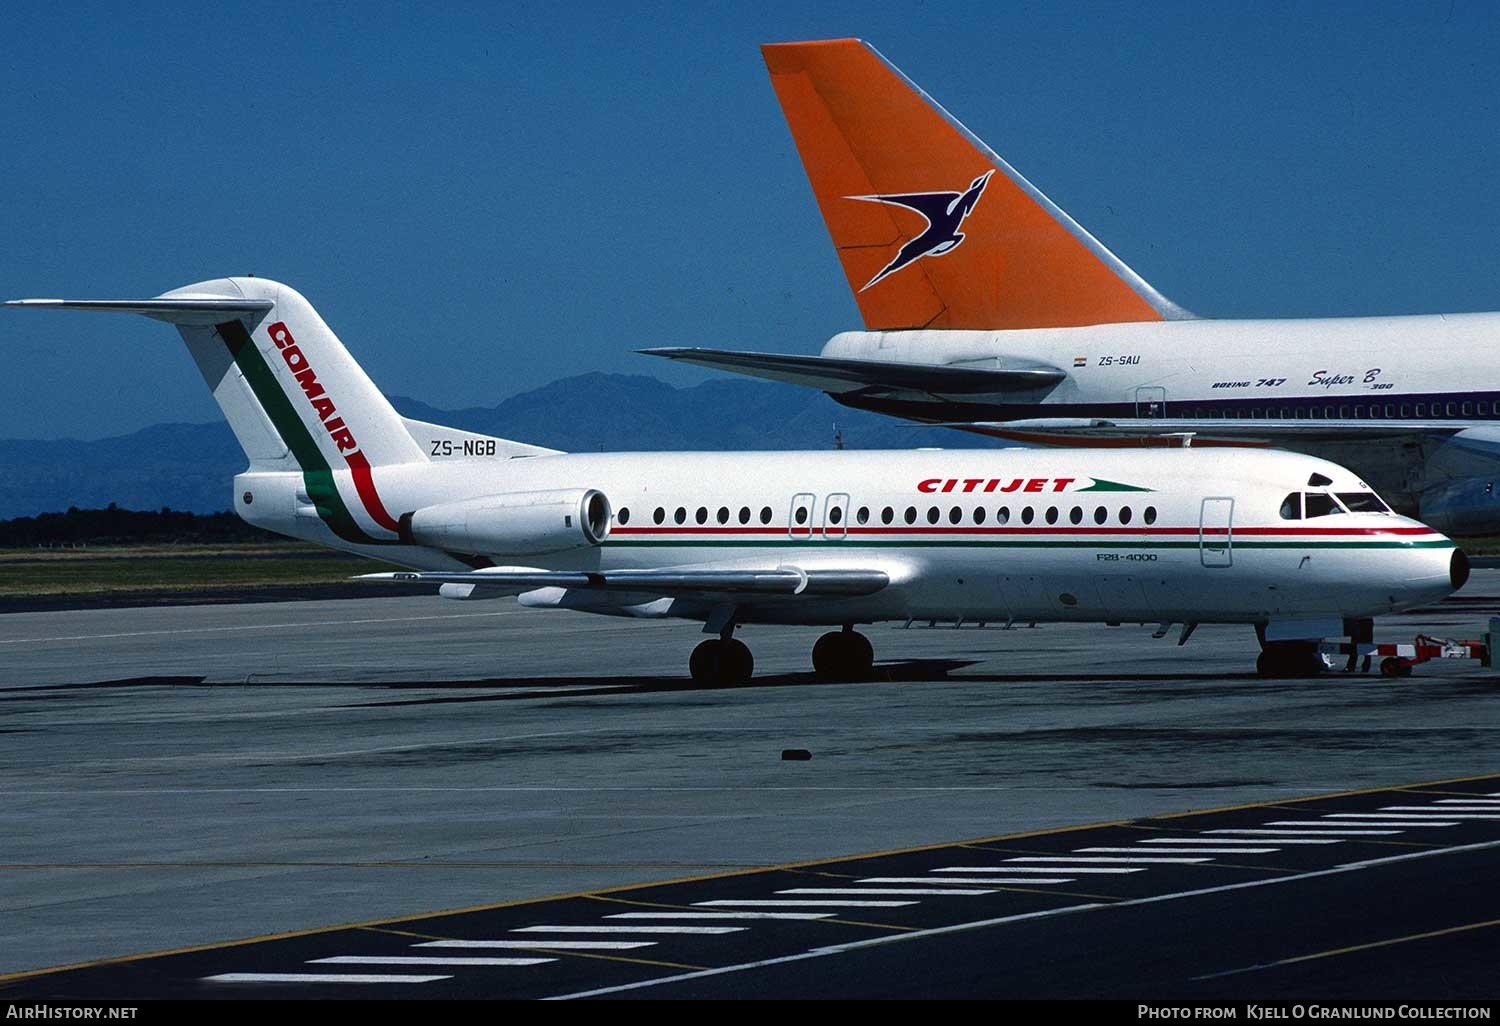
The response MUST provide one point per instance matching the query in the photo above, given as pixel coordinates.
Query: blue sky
(483, 198)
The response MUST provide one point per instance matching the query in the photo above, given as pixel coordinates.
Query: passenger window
(801, 515)
(1484, 408)
(744, 514)
(1468, 409)
(702, 516)
(1318, 504)
(623, 517)
(659, 515)
(978, 514)
(1002, 515)
(1124, 514)
(1100, 514)
(955, 515)
(765, 514)
(1343, 413)
(1076, 515)
(1363, 502)
(723, 514)
(1150, 515)
(680, 516)
(1390, 411)
(1051, 514)
(932, 514)
(863, 516)
(1291, 507)
(1026, 515)
(1406, 409)
(1421, 409)
(887, 515)
(1453, 409)
(835, 515)
(911, 514)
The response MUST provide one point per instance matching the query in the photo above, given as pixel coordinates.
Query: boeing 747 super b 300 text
(988, 307)
(1294, 545)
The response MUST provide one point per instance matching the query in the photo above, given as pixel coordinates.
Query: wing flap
(869, 376)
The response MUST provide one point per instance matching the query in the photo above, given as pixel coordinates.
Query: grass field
(93, 571)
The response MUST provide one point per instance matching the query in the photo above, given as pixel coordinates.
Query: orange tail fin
(929, 235)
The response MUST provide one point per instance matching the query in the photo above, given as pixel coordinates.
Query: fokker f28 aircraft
(1294, 545)
(988, 307)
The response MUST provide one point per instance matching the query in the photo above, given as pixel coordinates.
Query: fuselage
(1082, 535)
(1418, 372)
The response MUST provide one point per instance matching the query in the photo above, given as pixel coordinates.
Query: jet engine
(513, 523)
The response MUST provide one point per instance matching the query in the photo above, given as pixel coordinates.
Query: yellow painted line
(1387, 943)
(746, 871)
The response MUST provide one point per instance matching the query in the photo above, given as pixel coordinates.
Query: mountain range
(189, 466)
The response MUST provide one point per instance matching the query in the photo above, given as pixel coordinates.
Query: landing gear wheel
(843, 655)
(1284, 659)
(1395, 666)
(721, 664)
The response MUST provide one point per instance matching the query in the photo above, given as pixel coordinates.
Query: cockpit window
(1319, 481)
(1319, 504)
(1291, 507)
(1363, 502)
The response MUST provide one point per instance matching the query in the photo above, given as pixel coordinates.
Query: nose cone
(1458, 569)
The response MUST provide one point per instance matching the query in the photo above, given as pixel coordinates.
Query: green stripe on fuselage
(317, 476)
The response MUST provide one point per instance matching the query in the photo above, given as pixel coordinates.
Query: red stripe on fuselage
(364, 483)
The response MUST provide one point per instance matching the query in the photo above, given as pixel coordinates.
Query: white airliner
(1294, 545)
(987, 306)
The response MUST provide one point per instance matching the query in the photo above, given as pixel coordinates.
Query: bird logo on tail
(943, 212)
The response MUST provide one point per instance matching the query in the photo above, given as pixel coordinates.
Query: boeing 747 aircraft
(987, 307)
(1296, 546)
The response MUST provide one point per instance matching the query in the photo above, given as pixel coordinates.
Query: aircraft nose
(1458, 569)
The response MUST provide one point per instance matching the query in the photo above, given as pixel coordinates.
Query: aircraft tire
(843, 656)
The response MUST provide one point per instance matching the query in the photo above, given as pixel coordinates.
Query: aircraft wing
(1176, 430)
(839, 376)
(783, 580)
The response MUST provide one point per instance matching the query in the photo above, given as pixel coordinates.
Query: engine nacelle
(513, 523)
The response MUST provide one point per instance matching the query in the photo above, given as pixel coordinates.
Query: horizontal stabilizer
(778, 581)
(870, 376)
(178, 310)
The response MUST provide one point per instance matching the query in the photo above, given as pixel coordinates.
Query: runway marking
(423, 960)
(1427, 810)
(1353, 948)
(1404, 823)
(720, 915)
(1297, 833)
(1100, 858)
(857, 891)
(558, 945)
(820, 903)
(1044, 869)
(1226, 840)
(1276, 837)
(629, 929)
(248, 627)
(728, 874)
(1469, 801)
(839, 949)
(1199, 850)
(360, 978)
(964, 880)
(1407, 819)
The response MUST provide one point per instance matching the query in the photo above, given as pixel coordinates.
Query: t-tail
(928, 234)
(294, 397)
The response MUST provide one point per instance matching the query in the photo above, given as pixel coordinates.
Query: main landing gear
(725, 662)
(1290, 659)
(843, 655)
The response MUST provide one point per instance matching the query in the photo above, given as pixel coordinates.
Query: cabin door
(1215, 532)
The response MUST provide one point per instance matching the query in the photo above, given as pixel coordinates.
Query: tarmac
(195, 776)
